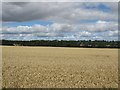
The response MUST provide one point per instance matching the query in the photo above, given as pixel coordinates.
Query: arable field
(59, 67)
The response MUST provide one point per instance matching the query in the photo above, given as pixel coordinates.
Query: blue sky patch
(100, 7)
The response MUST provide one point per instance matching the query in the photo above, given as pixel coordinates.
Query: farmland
(59, 67)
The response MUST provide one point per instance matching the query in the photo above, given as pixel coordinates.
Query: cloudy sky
(60, 20)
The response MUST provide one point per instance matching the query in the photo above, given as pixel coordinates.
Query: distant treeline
(64, 43)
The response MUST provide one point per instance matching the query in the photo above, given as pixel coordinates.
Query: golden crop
(56, 67)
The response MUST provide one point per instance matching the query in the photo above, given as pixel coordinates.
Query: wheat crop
(56, 67)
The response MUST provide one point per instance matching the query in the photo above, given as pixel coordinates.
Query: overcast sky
(60, 20)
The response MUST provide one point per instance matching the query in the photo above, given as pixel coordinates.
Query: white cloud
(113, 33)
(101, 22)
(99, 29)
(83, 34)
(100, 26)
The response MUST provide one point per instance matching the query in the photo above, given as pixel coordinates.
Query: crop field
(59, 67)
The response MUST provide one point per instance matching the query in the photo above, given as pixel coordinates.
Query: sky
(59, 21)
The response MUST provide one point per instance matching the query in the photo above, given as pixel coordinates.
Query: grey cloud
(30, 11)
(20, 4)
(65, 12)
